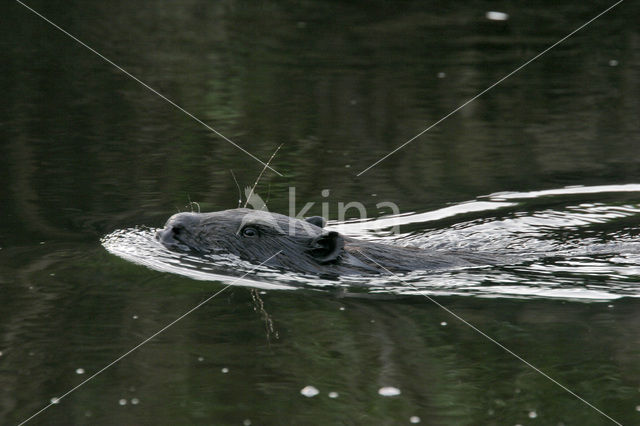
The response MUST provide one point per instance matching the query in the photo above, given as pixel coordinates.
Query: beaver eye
(249, 232)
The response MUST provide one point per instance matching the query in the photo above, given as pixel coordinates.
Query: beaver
(303, 246)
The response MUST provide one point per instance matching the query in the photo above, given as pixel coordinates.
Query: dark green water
(87, 151)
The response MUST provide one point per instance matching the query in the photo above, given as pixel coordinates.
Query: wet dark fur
(305, 247)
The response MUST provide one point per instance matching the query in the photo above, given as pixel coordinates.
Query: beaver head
(255, 236)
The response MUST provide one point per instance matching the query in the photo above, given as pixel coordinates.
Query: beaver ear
(316, 220)
(327, 247)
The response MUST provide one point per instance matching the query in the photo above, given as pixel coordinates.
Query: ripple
(573, 244)
(138, 245)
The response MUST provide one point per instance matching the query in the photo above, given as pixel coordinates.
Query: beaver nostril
(177, 229)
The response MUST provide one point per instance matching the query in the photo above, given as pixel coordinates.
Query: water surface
(546, 162)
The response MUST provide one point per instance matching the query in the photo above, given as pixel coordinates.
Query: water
(543, 166)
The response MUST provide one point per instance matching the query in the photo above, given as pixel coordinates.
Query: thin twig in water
(258, 306)
(260, 175)
(238, 185)
(268, 196)
(191, 203)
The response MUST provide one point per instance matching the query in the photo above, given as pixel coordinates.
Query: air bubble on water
(135, 401)
(637, 407)
(347, 166)
(443, 323)
(533, 414)
(333, 394)
(442, 75)
(613, 63)
(79, 370)
(492, 15)
(342, 308)
(135, 317)
(309, 391)
(225, 370)
(122, 402)
(200, 358)
(246, 422)
(609, 306)
(55, 400)
(414, 419)
(389, 391)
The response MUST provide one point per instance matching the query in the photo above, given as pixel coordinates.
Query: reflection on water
(560, 252)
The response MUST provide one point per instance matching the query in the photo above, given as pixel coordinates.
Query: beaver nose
(168, 234)
(175, 226)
